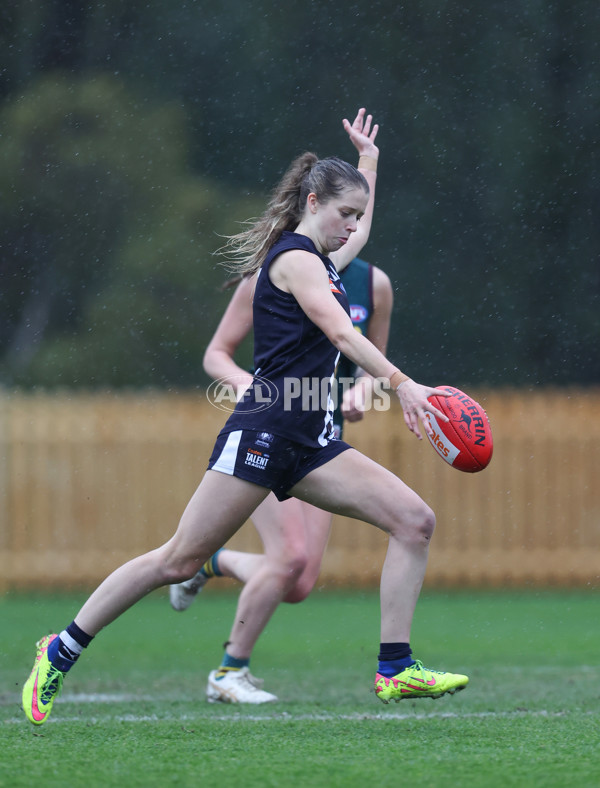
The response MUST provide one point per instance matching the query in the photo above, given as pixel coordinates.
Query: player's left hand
(415, 405)
(354, 403)
(362, 134)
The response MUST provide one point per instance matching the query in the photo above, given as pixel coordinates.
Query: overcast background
(134, 134)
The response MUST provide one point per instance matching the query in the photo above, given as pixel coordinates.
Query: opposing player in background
(294, 533)
(301, 325)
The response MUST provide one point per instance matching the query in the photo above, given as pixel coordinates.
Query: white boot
(236, 686)
(183, 594)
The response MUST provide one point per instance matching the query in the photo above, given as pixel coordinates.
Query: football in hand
(465, 441)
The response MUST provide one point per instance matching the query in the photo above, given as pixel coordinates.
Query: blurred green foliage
(133, 135)
(111, 272)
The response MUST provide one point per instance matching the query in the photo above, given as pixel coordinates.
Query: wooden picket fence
(88, 481)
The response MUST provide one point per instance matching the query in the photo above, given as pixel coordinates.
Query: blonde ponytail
(245, 252)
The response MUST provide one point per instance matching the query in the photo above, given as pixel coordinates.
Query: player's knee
(292, 560)
(305, 583)
(179, 570)
(299, 592)
(292, 568)
(424, 524)
(285, 571)
(416, 526)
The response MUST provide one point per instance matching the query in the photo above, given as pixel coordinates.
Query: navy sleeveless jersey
(294, 361)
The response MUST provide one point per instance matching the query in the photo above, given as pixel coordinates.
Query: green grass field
(133, 713)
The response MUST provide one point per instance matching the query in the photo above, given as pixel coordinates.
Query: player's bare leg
(294, 535)
(377, 496)
(218, 508)
(220, 505)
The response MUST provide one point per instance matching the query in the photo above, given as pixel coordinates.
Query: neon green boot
(43, 684)
(417, 681)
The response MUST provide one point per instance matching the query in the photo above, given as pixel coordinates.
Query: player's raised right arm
(307, 280)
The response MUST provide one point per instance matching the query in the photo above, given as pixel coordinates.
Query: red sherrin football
(464, 442)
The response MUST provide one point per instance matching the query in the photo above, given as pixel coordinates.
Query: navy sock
(64, 651)
(394, 658)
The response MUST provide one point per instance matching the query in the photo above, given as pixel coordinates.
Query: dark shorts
(268, 460)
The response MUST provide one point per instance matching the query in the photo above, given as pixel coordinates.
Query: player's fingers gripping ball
(465, 440)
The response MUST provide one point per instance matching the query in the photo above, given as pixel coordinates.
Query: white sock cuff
(70, 642)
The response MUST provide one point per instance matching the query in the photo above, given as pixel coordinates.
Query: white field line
(274, 716)
(282, 718)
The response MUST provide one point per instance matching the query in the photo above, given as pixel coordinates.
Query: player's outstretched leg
(379, 497)
(417, 681)
(43, 685)
(236, 686)
(181, 595)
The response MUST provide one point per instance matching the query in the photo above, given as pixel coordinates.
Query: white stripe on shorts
(226, 460)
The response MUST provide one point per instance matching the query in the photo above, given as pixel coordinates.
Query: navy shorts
(269, 460)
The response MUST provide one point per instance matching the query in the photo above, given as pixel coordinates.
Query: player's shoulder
(381, 281)
(304, 259)
(358, 264)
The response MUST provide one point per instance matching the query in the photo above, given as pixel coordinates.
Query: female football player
(301, 325)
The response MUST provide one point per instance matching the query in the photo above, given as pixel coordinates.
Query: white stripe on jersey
(328, 431)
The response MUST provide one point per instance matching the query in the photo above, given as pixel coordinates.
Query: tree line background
(133, 135)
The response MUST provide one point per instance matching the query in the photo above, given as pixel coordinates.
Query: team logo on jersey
(358, 313)
(264, 439)
(256, 459)
(334, 288)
